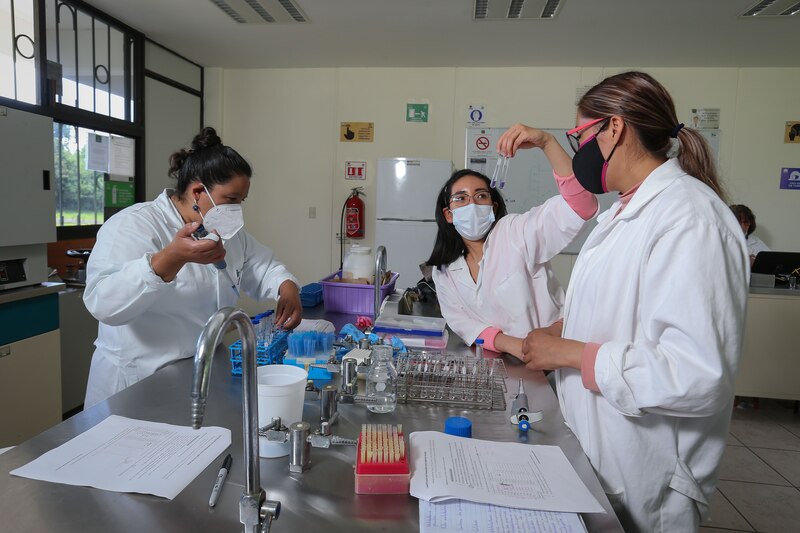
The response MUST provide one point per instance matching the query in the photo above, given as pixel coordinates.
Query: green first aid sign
(119, 194)
(416, 112)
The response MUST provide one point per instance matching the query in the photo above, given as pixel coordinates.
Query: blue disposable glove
(353, 331)
(398, 346)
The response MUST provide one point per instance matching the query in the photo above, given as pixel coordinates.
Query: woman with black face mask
(492, 271)
(647, 355)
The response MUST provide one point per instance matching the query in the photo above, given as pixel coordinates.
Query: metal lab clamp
(301, 440)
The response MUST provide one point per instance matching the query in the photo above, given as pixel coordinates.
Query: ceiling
(431, 33)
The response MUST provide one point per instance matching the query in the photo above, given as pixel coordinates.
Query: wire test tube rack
(460, 381)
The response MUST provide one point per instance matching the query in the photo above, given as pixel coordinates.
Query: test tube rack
(454, 380)
(265, 355)
(382, 465)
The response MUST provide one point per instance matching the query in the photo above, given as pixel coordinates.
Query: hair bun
(176, 160)
(206, 139)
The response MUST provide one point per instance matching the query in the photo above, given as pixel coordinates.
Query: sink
(404, 303)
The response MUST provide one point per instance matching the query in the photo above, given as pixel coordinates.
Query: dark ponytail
(696, 160)
(208, 161)
(449, 245)
(647, 107)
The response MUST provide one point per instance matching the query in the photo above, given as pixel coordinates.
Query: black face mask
(589, 166)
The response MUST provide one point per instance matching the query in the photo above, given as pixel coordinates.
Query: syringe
(520, 416)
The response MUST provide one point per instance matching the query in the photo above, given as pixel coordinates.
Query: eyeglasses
(574, 135)
(461, 199)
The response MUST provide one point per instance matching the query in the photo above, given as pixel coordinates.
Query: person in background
(491, 269)
(747, 220)
(152, 286)
(647, 355)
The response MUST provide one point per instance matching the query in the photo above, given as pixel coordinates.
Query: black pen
(223, 473)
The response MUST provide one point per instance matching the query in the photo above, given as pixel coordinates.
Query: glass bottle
(382, 381)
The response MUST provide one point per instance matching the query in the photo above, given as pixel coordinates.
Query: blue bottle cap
(478, 341)
(458, 426)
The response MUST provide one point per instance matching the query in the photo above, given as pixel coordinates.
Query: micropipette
(520, 416)
(202, 233)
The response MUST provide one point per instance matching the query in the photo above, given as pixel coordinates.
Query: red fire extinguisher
(354, 214)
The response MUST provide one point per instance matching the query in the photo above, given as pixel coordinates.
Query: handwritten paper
(459, 516)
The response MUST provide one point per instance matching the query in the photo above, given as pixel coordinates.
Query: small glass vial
(479, 348)
(382, 381)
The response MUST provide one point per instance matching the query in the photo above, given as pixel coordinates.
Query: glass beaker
(382, 381)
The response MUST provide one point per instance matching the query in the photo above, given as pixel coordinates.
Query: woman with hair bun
(647, 355)
(153, 279)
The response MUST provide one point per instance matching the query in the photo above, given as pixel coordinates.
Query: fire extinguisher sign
(355, 170)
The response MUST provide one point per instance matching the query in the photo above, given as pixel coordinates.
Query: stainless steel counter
(322, 496)
(779, 291)
(33, 291)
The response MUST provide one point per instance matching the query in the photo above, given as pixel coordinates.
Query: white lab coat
(755, 245)
(516, 290)
(662, 287)
(146, 323)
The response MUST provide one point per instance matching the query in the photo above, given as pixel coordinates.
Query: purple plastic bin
(351, 298)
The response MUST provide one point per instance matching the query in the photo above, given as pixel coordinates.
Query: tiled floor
(759, 487)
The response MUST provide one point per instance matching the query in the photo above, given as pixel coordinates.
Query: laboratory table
(321, 497)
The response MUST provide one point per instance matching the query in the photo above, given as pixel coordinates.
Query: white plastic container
(281, 392)
(359, 263)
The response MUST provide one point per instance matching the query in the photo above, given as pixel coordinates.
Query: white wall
(285, 121)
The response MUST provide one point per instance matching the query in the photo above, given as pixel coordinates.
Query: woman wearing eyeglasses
(647, 357)
(491, 271)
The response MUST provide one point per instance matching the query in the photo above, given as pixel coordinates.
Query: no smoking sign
(482, 143)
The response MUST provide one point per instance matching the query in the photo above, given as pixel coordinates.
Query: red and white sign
(482, 143)
(355, 170)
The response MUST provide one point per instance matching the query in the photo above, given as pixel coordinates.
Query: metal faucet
(256, 513)
(380, 270)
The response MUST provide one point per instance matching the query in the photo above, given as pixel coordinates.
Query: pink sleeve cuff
(579, 199)
(590, 350)
(488, 335)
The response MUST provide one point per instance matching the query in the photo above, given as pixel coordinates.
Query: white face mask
(226, 219)
(473, 221)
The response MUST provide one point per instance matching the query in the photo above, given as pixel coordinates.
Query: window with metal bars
(89, 62)
(84, 161)
(18, 51)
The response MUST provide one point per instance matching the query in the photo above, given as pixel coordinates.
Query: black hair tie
(675, 130)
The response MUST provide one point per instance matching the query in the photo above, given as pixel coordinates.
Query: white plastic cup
(281, 392)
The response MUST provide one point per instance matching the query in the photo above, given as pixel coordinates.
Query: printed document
(128, 455)
(509, 474)
(459, 516)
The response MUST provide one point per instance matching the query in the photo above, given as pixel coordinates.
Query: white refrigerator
(405, 224)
